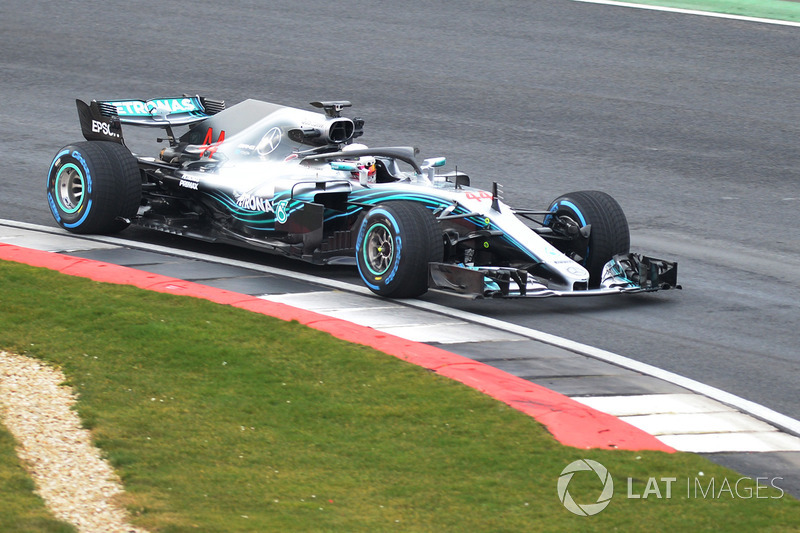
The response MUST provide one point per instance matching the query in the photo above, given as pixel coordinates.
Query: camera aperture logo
(696, 488)
(585, 509)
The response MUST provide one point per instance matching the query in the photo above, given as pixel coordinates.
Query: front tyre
(94, 187)
(609, 233)
(395, 243)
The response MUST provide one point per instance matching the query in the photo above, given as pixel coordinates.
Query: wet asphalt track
(691, 123)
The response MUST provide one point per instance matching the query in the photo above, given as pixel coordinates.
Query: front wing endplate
(625, 273)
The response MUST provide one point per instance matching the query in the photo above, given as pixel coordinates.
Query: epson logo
(104, 128)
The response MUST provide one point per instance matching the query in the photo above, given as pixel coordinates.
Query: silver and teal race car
(297, 183)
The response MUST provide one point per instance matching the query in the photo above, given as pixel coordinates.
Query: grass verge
(767, 9)
(218, 419)
(20, 508)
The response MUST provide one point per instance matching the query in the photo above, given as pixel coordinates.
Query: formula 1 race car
(296, 183)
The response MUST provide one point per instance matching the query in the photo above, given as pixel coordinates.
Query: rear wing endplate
(102, 120)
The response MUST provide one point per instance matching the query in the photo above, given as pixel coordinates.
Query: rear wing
(102, 120)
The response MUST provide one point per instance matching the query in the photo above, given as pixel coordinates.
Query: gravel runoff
(76, 483)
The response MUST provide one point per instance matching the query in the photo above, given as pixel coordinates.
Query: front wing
(625, 273)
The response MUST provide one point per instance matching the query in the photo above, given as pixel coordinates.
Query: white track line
(691, 12)
(759, 411)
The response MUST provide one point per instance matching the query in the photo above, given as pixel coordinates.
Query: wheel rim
(378, 249)
(70, 187)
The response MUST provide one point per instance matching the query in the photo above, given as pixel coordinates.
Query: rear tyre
(94, 187)
(609, 235)
(395, 243)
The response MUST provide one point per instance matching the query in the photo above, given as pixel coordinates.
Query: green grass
(222, 420)
(20, 508)
(768, 9)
